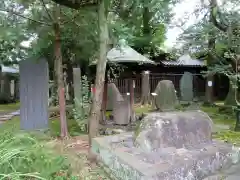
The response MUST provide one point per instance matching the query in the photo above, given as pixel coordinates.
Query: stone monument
(34, 89)
(166, 98)
(113, 96)
(166, 146)
(122, 111)
(186, 86)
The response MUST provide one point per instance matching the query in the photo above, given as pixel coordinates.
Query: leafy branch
(45, 7)
(24, 17)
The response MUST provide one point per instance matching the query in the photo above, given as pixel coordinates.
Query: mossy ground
(9, 107)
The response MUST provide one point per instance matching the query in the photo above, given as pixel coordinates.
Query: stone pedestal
(167, 146)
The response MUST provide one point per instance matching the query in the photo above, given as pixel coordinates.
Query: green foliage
(24, 157)
(82, 106)
(79, 28)
(144, 21)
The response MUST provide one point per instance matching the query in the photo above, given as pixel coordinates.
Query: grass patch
(9, 107)
(220, 117)
(23, 156)
(228, 136)
(63, 164)
(73, 128)
(13, 125)
(142, 109)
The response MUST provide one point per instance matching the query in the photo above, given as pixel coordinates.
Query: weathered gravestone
(122, 111)
(77, 85)
(34, 79)
(166, 146)
(186, 86)
(166, 98)
(113, 96)
(5, 88)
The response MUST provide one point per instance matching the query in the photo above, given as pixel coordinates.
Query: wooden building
(166, 70)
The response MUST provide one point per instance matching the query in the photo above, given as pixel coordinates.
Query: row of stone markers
(164, 99)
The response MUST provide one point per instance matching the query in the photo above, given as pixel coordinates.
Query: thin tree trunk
(210, 59)
(146, 17)
(100, 75)
(59, 74)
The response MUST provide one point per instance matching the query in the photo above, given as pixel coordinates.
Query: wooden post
(104, 101)
(131, 85)
(126, 82)
(62, 109)
(145, 97)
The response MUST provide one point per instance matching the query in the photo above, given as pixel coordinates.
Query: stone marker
(122, 111)
(12, 88)
(113, 96)
(186, 86)
(34, 91)
(77, 85)
(166, 98)
(166, 146)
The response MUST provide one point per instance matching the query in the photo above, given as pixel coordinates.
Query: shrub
(82, 106)
(22, 156)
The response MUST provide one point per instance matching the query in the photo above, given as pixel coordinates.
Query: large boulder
(173, 129)
(166, 98)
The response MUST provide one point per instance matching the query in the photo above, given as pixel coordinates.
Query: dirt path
(5, 116)
(76, 150)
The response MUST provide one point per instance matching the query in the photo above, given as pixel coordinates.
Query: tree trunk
(231, 96)
(131, 81)
(209, 90)
(210, 59)
(59, 74)
(146, 16)
(100, 73)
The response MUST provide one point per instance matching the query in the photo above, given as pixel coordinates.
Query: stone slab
(128, 162)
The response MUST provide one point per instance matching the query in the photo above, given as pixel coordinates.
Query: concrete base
(125, 161)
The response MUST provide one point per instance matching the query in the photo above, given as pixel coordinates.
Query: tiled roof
(184, 60)
(127, 54)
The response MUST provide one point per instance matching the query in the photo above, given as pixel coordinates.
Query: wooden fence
(198, 83)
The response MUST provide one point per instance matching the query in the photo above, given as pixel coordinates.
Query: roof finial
(122, 43)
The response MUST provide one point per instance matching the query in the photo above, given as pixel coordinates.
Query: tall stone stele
(113, 96)
(166, 98)
(34, 89)
(186, 87)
